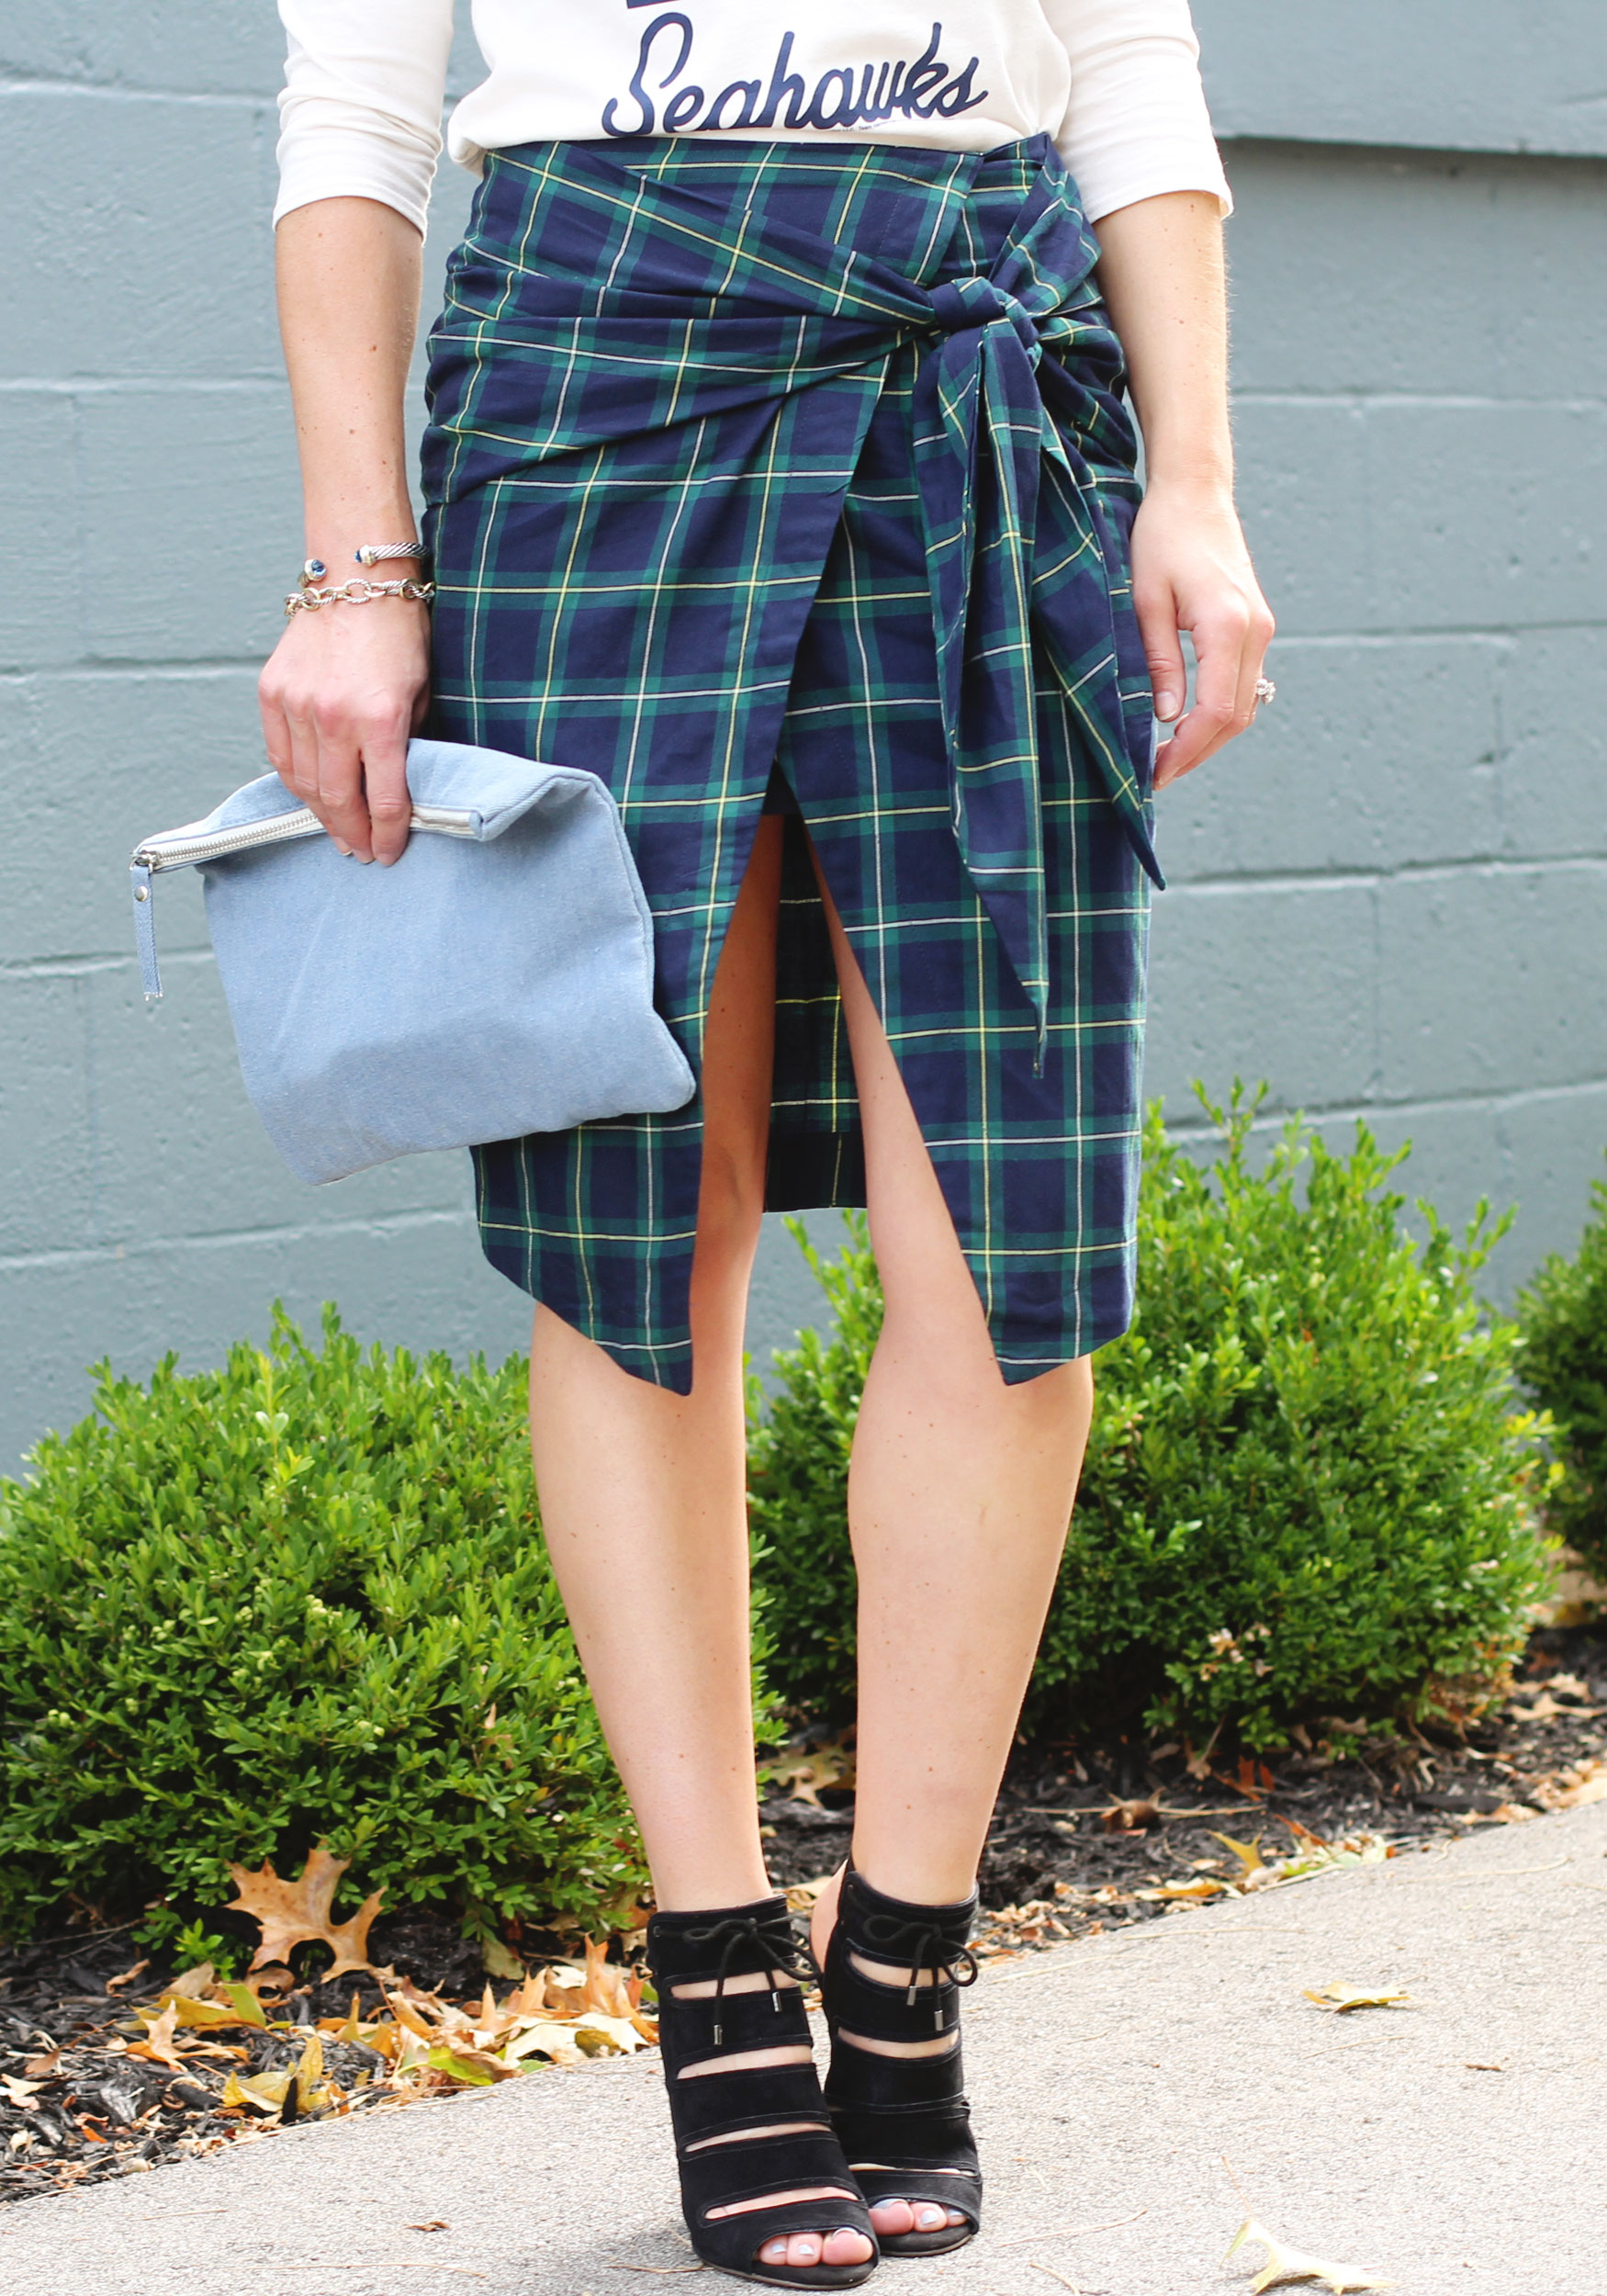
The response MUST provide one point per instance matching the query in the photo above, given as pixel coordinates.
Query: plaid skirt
(799, 476)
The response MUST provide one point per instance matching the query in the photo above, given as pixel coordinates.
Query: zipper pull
(145, 928)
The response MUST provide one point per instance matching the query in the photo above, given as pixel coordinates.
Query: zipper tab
(145, 928)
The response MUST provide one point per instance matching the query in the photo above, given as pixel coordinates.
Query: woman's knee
(730, 1200)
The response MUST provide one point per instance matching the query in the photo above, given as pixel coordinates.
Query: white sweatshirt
(1116, 82)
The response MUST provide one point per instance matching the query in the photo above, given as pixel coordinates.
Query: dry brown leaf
(430, 2224)
(1247, 1853)
(298, 1912)
(265, 2092)
(273, 1978)
(158, 2043)
(113, 1984)
(198, 1984)
(1344, 1997)
(20, 2093)
(1571, 1789)
(1283, 2263)
(39, 2068)
(607, 1984)
(1130, 1817)
(802, 1780)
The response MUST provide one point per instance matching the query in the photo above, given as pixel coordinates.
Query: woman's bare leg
(960, 1492)
(644, 1499)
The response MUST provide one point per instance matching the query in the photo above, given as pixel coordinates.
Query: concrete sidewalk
(1458, 2147)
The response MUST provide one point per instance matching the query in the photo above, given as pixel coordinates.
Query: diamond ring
(1265, 690)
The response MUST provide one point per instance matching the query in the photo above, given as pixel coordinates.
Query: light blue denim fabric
(490, 984)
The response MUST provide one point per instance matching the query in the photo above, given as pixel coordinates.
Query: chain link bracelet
(356, 593)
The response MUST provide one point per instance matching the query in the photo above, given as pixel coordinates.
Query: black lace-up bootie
(893, 1973)
(745, 2131)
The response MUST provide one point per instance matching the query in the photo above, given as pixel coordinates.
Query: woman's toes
(845, 2248)
(805, 2248)
(774, 2251)
(894, 2216)
(919, 2216)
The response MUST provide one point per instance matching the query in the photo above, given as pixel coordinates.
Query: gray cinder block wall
(1389, 901)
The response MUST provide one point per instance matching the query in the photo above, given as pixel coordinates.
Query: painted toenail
(927, 2217)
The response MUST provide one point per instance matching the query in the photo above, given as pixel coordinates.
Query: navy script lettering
(919, 87)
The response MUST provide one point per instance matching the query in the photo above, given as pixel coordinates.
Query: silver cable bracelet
(366, 554)
(356, 593)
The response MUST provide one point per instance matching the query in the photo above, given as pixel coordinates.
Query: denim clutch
(497, 980)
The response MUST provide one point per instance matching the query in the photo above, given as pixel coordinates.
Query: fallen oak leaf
(1283, 2263)
(1342, 1998)
(1130, 1817)
(1247, 1853)
(114, 1984)
(21, 2093)
(298, 1912)
(607, 1988)
(802, 1779)
(158, 2043)
(265, 2092)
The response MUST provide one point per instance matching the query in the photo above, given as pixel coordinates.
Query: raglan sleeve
(1136, 124)
(360, 114)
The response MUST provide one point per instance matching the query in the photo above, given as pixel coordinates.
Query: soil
(1080, 1831)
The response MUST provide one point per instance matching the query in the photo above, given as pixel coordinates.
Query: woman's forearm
(1164, 281)
(349, 274)
(348, 682)
(1161, 275)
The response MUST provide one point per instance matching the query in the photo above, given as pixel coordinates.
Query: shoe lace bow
(924, 1945)
(772, 1941)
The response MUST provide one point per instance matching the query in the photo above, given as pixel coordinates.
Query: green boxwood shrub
(1562, 1360)
(1307, 1494)
(304, 1597)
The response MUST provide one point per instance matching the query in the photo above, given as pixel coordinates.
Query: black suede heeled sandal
(904, 2123)
(743, 2132)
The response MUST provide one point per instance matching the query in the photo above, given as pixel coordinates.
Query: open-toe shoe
(891, 1987)
(751, 2121)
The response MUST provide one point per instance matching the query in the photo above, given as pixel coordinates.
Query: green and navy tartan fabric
(809, 462)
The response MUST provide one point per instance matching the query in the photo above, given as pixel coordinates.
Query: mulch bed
(1081, 1834)
(1080, 1829)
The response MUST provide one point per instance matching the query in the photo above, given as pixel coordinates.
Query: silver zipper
(179, 851)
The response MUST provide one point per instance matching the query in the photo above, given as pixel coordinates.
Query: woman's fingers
(1156, 608)
(385, 783)
(1220, 641)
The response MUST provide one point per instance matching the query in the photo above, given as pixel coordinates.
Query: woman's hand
(1192, 571)
(341, 694)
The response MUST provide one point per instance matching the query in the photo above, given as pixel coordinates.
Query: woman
(778, 473)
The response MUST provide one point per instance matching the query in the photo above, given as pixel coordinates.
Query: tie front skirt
(798, 478)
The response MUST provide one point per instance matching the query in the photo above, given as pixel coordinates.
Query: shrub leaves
(298, 1600)
(1307, 1493)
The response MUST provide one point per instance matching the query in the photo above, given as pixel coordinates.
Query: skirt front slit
(697, 413)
